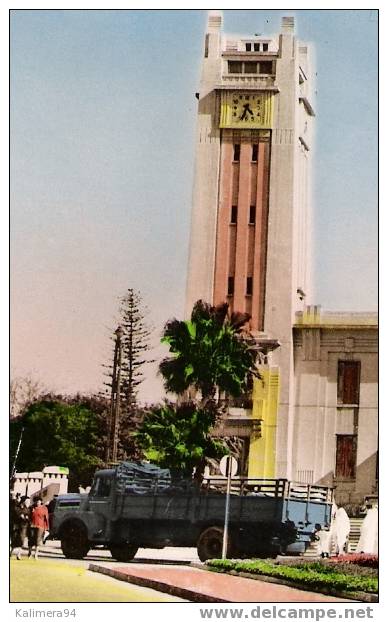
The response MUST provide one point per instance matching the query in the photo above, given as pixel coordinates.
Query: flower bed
(318, 576)
(360, 559)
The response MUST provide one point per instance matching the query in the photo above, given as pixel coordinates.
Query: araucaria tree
(208, 357)
(135, 345)
(135, 337)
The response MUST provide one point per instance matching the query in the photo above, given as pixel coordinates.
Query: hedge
(304, 574)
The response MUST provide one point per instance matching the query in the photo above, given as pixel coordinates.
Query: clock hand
(246, 111)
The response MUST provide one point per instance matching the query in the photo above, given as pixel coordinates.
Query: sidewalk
(205, 586)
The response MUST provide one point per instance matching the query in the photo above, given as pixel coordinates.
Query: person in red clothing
(38, 525)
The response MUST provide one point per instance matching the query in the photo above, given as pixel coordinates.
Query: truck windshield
(101, 487)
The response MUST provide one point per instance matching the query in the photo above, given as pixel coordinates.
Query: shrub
(315, 576)
(360, 559)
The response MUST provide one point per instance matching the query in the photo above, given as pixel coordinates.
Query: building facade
(336, 402)
(53, 480)
(251, 235)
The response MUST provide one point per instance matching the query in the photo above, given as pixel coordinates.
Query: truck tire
(74, 540)
(123, 552)
(209, 545)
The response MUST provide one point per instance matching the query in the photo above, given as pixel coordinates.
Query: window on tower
(255, 153)
(266, 66)
(250, 67)
(234, 66)
(248, 47)
(265, 47)
(236, 153)
(230, 285)
(256, 47)
(233, 215)
(206, 46)
(252, 214)
(249, 285)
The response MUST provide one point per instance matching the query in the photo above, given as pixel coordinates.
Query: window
(248, 47)
(206, 46)
(266, 66)
(252, 214)
(236, 153)
(348, 382)
(233, 215)
(250, 67)
(230, 285)
(256, 47)
(265, 47)
(249, 285)
(346, 451)
(101, 487)
(234, 66)
(255, 153)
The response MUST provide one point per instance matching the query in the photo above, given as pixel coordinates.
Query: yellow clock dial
(246, 108)
(240, 109)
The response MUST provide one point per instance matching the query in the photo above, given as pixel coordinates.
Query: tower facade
(250, 229)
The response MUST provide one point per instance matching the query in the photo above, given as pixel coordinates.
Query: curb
(166, 588)
(350, 596)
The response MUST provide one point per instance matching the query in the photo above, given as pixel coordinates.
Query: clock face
(251, 110)
(246, 108)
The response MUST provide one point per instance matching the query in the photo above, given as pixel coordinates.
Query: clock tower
(250, 228)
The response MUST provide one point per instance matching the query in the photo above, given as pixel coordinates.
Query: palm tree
(209, 353)
(178, 437)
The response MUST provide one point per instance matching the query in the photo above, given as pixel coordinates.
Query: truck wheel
(209, 545)
(123, 552)
(74, 541)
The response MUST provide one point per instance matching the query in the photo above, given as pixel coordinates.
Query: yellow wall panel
(262, 448)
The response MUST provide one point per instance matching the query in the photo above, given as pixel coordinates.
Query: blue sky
(102, 141)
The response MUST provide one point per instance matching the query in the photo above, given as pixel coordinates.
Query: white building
(250, 245)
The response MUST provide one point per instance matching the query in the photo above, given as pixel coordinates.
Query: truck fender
(69, 521)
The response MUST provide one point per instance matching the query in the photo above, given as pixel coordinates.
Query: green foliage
(136, 334)
(64, 433)
(178, 436)
(332, 565)
(208, 352)
(317, 576)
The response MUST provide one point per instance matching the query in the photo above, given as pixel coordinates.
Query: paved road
(173, 555)
(54, 579)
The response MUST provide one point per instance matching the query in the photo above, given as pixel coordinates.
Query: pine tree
(134, 345)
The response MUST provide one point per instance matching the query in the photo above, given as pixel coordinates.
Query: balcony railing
(248, 80)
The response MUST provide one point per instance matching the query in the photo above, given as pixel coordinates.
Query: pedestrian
(50, 508)
(323, 536)
(19, 522)
(38, 525)
(25, 505)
